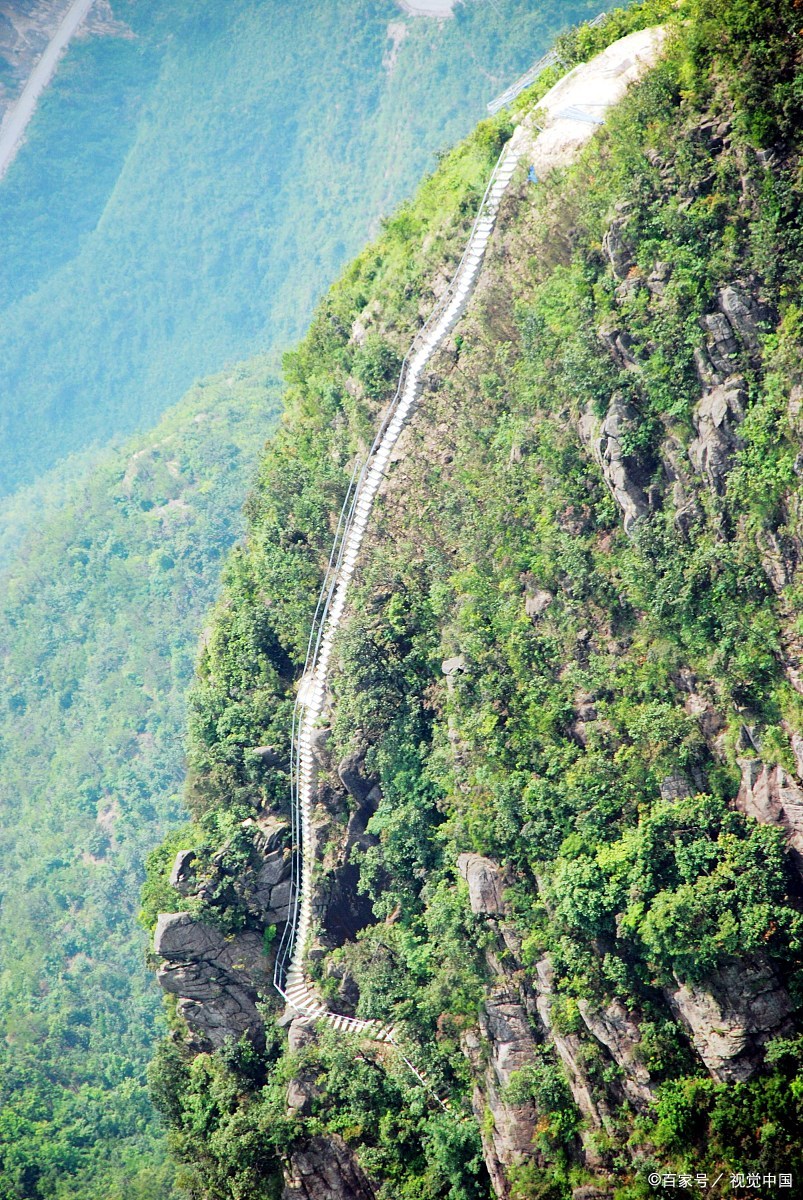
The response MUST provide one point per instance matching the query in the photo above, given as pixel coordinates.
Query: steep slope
(108, 565)
(560, 775)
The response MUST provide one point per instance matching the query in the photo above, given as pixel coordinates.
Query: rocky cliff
(560, 783)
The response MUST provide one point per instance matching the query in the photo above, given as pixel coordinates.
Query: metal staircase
(289, 977)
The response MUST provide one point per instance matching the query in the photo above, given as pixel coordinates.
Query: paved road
(17, 118)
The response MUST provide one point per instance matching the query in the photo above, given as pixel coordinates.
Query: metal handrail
(286, 949)
(551, 59)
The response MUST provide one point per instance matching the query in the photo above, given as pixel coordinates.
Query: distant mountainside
(556, 804)
(260, 127)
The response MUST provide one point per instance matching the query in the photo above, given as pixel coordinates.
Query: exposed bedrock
(324, 1168)
(732, 1016)
(716, 419)
(485, 883)
(218, 979)
(503, 1044)
(622, 472)
(617, 1030)
(772, 797)
(302, 1088)
(570, 1050)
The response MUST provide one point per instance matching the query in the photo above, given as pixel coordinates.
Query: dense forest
(559, 790)
(97, 656)
(109, 562)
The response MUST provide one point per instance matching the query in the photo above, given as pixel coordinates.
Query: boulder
(268, 755)
(323, 1168)
(717, 418)
(357, 783)
(182, 877)
(537, 602)
(730, 1020)
(485, 883)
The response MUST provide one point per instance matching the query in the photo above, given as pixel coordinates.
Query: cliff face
(560, 785)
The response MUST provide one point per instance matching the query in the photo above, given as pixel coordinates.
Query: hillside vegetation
(565, 754)
(109, 562)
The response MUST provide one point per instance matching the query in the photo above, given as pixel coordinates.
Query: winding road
(16, 119)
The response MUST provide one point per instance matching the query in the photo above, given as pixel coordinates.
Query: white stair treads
(426, 344)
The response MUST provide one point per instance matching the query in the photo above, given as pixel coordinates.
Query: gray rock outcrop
(743, 314)
(505, 1044)
(717, 418)
(618, 1031)
(772, 797)
(607, 442)
(618, 247)
(536, 603)
(355, 779)
(732, 1017)
(182, 877)
(302, 1089)
(218, 979)
(324, 1168)
(722, 349)
(571, 1053)
(485, 883)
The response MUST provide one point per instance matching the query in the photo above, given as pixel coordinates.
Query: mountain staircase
(289, 977)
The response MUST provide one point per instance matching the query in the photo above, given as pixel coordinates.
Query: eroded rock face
(324, 1168)
(618, 247)
(620, 470)
(773, 798)
(717, 418)
(505, 1044)
(182, 877)
(570, 1051)
(354, 777)
(302, 1089)
(742, 313)
(537, 602)
(485, 883)
(218, 979)
(616, 1029)
(733, 1016)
